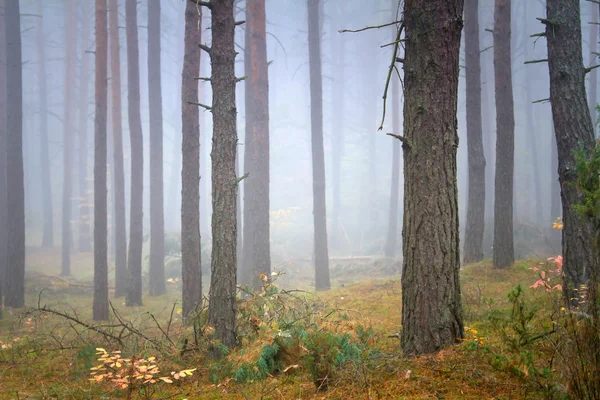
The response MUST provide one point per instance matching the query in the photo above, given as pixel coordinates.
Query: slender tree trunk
(504, 254)
(221, 311)
(321, 255)
(14, 295)
(257, 249)
(71, 46)
(191, 272)
(100, 307)
(473, 250)
(119, 169)
(157, 218)
(555, 199)
(84, 197)
(3, 187)
(431, 305)
(593, 43)
(46, 182)
(573, 128)
(134, 267)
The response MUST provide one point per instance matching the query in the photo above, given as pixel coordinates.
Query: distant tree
(221, 310)
(3, 187)
(191, 272)
(157, 219)
(136, 231)
(14, 295)
(593, 45)
(69, 88)
(504, 254)
(46, 181)
(321, 256)
(119, 169)
(100, 307)
(257, 250)
(573, 129)
(431, 303)
(473, 250)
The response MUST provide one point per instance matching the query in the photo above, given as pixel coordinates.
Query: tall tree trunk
(71, 46)
(119, 169)
(84, 197)
(134, 267)
(221, 311)
(431, 305)
(473, 250)
(573, 128)
(46, 182)
(14, 295)
(504, 253)
(100, 307)
(257, 249)
(3, 187)
(321, 255)
(191, 272)
(593, 43)
(157, 218)
(555, 199)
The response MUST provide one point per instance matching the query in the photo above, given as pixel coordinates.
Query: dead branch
(369, 27)
(389, 75)
(541, 60)
(207, 108)
(401, 138)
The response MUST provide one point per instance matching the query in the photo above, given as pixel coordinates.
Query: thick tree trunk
(221, 311)
(119, 169)
(473, 250)
(100, 307)
(157, 218)
(14, 295)
(504, 254)
(69, 88)
(3, 187)
(136, 231)
(431, 305)
(190, 179)
(46, 181)
(573, 128)
(593, 43)
(321, 255)
(257, 249)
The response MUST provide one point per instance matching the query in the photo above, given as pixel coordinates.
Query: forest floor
(348, 333)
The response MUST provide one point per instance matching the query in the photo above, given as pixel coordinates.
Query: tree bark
(134, 267)
(504, 254)
(100, 307)
(593, 43)
(431, 304)
(321, 255)
(3, 187)
(473, 250)
(14, 295)
(221, 311)
(191, 272)
(256, 249)
(157, 218)
(119, 169)
(573, 128)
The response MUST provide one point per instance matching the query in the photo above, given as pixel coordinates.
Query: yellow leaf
(165, 379)
(118, 364)
(151, 358)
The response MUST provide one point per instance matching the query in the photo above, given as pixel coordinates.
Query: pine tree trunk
(136, 231)
(431, 304)
(190, 179)
(14, 295)
(593, 43)
(157, 218)
(321, 255)
(473, 250)
(573, 128)
(504, 254)
(221, 311)
(100, 307)
(3, 194)
(121, 276)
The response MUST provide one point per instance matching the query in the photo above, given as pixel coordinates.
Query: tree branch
(207, 108)
(238, 23)
(541, 101)
(241, 178)
(401, 138)
(541, 60)
(390, 71)
(589, 69)
(205, 48)
(368, 27)
(201, 78)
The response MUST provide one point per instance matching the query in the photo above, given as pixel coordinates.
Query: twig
(541, 60)
(389, 75)
(241, 178)
(369, 27)
(401, 138)
(207, 108)
(540, 101)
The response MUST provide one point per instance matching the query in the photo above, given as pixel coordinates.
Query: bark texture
(431, 304)
(136, 231)
(504, 253)
(117, 139)
(573, 128)
(473, 250)
(100, 307)
(157, 218)
(593, 43)
(221, 311)
(190, 195)
(321, 255)
(256, 248)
